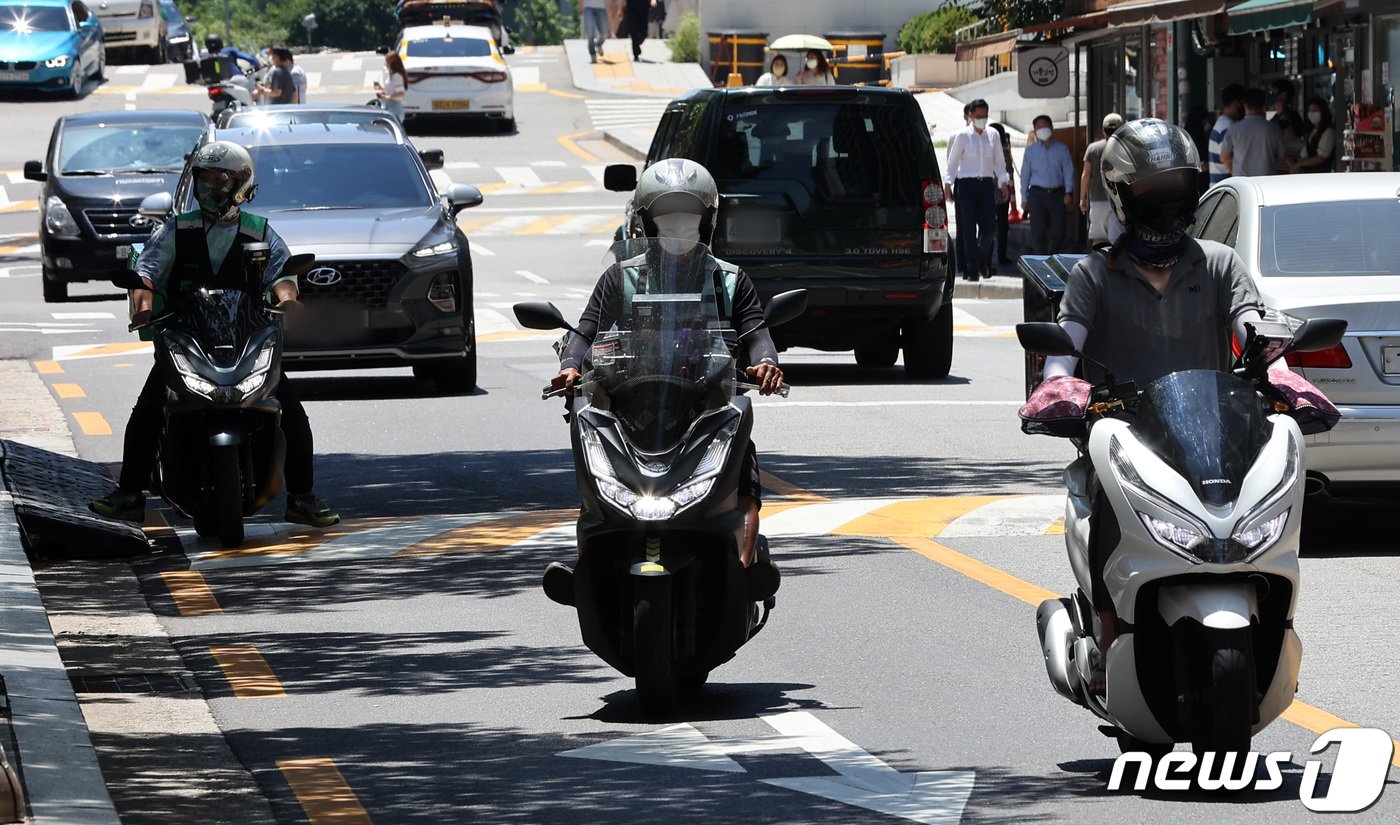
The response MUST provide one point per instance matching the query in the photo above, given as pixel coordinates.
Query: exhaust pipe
(1315, 484)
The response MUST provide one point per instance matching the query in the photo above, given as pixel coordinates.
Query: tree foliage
(543, 24)
(342, 24)
(685, 40)
(933, 32)
(1018, 13)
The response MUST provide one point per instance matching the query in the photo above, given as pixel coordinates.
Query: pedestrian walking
(657, 18)
(1104, 226)
(298, 75)
(1253, 147)
(1047, 187)
(1006, 200)
(392, 84)
(595, 26)
(1231, 111)
(615, 8)
(959, 251)
(777, 72)
(1320, 143)
(279, 88)
(816, 71)
(636, 12)
(977, 167)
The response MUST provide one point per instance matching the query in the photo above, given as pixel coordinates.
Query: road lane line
(323, 793)
(918, 518)
(489, 536)
(92, 423)
(69, 391)
(65, 353)
(567, 141)
(531, 277)
(567, 95)
(787, 489)
(48, 367)
(191, 593)
(247, 672)
(519, 175)
(1319, 721)
(542, 225)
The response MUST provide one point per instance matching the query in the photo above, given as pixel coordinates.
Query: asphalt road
(406, 668)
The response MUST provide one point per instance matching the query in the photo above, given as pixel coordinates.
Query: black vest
(193, 268)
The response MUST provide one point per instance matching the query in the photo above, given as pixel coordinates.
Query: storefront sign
(1044, 72)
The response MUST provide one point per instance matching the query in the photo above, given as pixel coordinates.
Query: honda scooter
(659, 439)
(1192, 490)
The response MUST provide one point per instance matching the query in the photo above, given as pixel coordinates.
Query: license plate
(14, 76)
(753, 228)
(123, 253)
(452, 104)
(1390, 360)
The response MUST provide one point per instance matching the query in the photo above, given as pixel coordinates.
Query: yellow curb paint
(567, 95)
(567, 141)
(323, 793)
(92, 423)
(191, 593)
(247, 672)
(69, 391)
(788, 490)
(48, 367)
(919, 518)
(489, 536)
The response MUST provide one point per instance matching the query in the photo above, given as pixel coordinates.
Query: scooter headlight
(1185, 538)
(1259, 537)
(251, 383)
(1258, 531)
(193, 380)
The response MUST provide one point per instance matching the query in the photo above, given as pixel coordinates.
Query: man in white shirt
(298, 77)
(1231, 111)
(977, 168)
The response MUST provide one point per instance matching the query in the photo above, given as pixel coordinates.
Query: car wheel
(456, 375)
(506, 126)
(101, 73)
(75, 83)
(55, 291)
(881, 352)
(928, 345)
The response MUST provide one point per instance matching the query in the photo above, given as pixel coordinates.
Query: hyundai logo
(324, 276)
(140, 222)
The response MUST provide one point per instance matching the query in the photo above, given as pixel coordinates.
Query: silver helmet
(233, 167)
(677, 185)
(1145, 148)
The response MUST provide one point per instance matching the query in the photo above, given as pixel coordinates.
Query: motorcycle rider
(214, 45)
(1156, 302)
(205, 247)
(678, 199)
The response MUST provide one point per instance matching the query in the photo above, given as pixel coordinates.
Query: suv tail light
(935, 217)
(1334, 358)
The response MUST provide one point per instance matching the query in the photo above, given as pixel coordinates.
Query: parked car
(49, 46)
(835, 190)
(457, 70)
(263, 116)
(135, 25)
(179, 36)
(393, 283)
(99, 167)
(1319, 249)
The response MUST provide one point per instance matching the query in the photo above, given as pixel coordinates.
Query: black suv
(835, 190)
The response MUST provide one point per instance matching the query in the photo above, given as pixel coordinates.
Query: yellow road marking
(561, 188)
(48, 367)
(567, 141)
(322, 792)
(919, 518)
(543, 225)
(92, 423)
(788, 490)
(1056, 528)
(69, 391)
(489, 536)
(1318, 720)
(531, 87)
(471, 225)
(18, 206)
(497, 187)
(972, 568)
(191, 593)
(514, 335)
(567, 95)
(123, 348)
(247, 672)
(299, 541)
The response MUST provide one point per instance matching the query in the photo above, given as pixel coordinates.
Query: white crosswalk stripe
(623, 112)
(345, 64)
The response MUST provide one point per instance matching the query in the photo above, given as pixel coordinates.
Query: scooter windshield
(662, 355)
(1209, 426)
(221, 320)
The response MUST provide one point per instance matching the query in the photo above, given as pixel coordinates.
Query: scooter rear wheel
(653, 658)
(226, 496)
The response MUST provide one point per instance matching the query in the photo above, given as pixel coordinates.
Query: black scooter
(659, 588)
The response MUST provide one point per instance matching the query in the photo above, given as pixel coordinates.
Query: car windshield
(172, 13)
(304, 176)
(1330, 238)
(29, 19)
(449, 47)
(115, 148)
(260, 118)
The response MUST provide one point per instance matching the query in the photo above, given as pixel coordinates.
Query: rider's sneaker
(559, 583)
(122, 505)
(308, 509)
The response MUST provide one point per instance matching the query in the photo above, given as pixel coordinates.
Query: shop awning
(984, 47)
(1262, 15)
(1163, 11)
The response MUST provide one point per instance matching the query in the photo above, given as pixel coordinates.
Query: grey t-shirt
(279, 80)
(1256, 144)
(1094, 157)
(1140, 334)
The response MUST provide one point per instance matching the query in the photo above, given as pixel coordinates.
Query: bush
(544, 25)
(685, 40)
(934, 32)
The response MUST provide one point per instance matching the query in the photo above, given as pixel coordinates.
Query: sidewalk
(616, 73)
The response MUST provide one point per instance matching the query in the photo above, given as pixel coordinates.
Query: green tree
(543, 24)
(934, 32)
(685, 40)
(1018, 13)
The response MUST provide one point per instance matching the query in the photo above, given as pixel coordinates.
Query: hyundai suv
(835, 190)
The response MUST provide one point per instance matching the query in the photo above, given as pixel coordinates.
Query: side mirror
(507, 50)
(463, 196)
(620, 177)
(540, 315)
(298, 265)
(432, 158)
(34, 170)
(192, 19)
(156, 206)
(1045, 338)
(784, 307)
(381, 50)
(126, 279)
(1318, 334)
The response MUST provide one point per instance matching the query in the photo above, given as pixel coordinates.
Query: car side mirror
(463, 196)
(1045, 338)
(620, 177)
(381, 50)
(540, 315)
(432, 158)
(34, 170)
(1317, 334)
(507, 49)
(298, 265)
(784, 307)
(156, 206)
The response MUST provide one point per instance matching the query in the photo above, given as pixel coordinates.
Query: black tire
(76, 84)
(204, 528)
(455, 375)
(226, 496)
(928, 345)
(1227, 696)
(653, 660)
(55, 291)
(101, 73)
(693, 681)
(881, 353)
(1127, 743)
(506, 126)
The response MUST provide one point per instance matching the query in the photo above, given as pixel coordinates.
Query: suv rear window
(867, 153)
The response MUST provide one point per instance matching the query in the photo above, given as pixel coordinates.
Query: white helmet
(234, 166)
(676, 185)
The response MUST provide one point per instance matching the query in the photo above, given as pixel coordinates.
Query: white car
(1328, 246)
(454, 69)
(133, 24)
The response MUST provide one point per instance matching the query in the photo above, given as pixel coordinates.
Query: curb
(994, 288)
(627, 141)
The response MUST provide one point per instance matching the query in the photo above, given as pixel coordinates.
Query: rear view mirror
(784, 307)
(620, 177)
(34, 170)
(1045, 338)
(463, 196)
(1317, 334)
(381, 50)
(507, 49)
(298, 265)
(157, 206)
(432, 158)
(540, 315)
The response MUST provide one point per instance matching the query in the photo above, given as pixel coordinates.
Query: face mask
(1159, 228)
(213, 196)
(1164, 210)
(812, 64)
(1314, 118)
(1043, 134)
(679, 231)
(980, 123)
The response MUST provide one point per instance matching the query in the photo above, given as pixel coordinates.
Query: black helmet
(213, 43)
(1145, 148)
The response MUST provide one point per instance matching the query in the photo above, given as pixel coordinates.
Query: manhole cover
(138, 683)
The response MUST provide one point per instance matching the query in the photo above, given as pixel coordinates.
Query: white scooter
(1192, 490)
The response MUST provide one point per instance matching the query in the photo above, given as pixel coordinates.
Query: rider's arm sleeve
(278, 253)
(1243, 295)
(158, 256)
(588, 322)
(748, 313)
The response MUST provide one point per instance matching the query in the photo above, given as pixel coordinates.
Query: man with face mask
(204, 248)
(677, 201)
(976, 169)
(1047, 187)
(1158, 301)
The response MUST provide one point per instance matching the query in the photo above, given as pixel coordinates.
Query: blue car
(49, 45)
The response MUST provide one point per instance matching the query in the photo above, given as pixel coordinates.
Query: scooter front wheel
(653, 660)
(226, 496)
(1227, 701)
